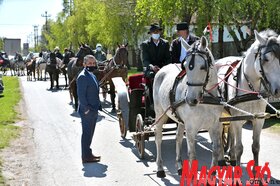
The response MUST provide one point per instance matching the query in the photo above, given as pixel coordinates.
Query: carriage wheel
(226, 137)
(123, 129)
(140, 142)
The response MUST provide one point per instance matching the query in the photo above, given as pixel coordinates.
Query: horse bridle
(115, 65)
(207, 60)
(264, 79)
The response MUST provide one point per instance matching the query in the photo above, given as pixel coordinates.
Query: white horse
(201, 76)
(259, 71)
(41, 63)
(19, 64)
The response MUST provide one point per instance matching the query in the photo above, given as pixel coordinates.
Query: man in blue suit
(88, 94)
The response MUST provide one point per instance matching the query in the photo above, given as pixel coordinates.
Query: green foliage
(117, 21)
(1, 44)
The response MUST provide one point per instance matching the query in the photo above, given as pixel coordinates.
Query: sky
(18, 17)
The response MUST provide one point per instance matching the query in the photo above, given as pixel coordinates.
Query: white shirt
(183, 50)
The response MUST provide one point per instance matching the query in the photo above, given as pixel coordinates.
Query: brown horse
(52, 67)
(30, 63)
(116, 67)
(74, 67)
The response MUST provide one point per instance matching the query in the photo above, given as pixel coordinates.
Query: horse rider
(179, 53)
(18, 57)
(155, 55)
(57, 53)
(68, 54)
(4, 55)
(99, 55)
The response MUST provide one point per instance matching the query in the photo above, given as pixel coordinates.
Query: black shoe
(91, 160)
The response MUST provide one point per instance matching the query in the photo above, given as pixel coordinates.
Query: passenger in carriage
(99, 54)
(57, 53)
(179, 53)
(155, 55)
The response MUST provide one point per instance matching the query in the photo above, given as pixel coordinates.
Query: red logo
(226, 175)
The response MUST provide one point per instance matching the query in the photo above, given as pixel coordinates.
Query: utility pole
(35, 36)
(46, 15)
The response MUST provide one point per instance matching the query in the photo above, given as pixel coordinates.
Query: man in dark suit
(155, 52)
(178, 53)
(88, 93)
(155, 55)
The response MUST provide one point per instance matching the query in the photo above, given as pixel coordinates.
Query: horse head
(52, 58)
(198, 64)
(265, 52)
(120, 59)
(83, 51)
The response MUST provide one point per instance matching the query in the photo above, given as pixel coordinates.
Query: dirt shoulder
(18, 160)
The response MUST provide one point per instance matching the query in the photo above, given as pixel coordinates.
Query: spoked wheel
(122, 125)
(140, 142)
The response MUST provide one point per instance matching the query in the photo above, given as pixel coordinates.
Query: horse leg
(217, 146)
(38, 73)
(65, 76)
(257, 128)
(51, 79)
(190, 137)
(158, 138)
(34, 72)
(45, 74)
(179, 140)
(56, 79)
(75, 94)
(238, 140)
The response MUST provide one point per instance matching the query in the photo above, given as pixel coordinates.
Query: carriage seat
(135, 81)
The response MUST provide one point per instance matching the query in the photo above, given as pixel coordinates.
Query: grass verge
(8, 113)
(133, 70)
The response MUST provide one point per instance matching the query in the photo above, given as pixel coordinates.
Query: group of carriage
(214, 96)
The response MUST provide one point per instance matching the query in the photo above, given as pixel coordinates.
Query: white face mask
(155, 36)
(98, 48)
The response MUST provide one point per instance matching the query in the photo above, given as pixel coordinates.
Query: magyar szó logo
(225, 175)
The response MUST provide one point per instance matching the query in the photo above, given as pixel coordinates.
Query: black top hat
(182, 26)
(154, 27)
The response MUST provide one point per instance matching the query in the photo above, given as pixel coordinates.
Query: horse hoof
(161, 174)
(222, 163)
(179, 172)
(232, 162)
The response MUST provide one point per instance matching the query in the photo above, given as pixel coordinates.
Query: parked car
(1, 84)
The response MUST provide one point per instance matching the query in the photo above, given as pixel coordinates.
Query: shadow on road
(95, 170)
(75, 114)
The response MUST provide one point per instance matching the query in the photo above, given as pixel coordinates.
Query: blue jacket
(88, 91)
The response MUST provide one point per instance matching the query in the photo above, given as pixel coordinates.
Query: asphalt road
(57, 132)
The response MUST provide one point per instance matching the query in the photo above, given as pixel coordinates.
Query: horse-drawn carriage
(137, 115)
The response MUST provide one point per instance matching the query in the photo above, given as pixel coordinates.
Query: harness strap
(173, 104)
